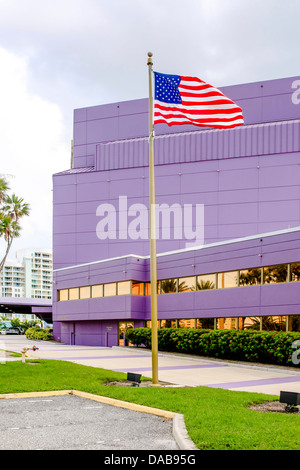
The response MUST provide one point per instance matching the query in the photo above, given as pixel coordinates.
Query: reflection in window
(274, 323)
(293, 323)
(148, 288)
(206, 281)
(266, 323)
(123, 328)
(186, 323)
(63, 294)
(229, 279)
(168, 286)
(168, 324)
(250, 277)
(97, 291)
(275, 274)
(187, 284)
(205, 323)
(252, 323)
(137, 288)
(227, 323)
(85, 292)
(74, 293)
(148, 324)
(295, 272)
(110, 289)
(124, 288)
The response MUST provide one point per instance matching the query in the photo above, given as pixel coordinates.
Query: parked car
(13, 330)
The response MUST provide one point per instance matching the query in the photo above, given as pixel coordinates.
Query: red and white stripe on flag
(188, 100)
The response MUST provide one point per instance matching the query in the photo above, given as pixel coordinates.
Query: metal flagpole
(152, 231)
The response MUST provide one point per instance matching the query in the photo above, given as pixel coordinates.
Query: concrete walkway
(173, 368)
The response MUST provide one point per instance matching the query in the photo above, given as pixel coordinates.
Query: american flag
(189, 100)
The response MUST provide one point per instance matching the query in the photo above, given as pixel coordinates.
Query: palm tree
(268, 324)
(250, 277)
(205, 285)
(169, 286)
(13, 208)
(3, 189)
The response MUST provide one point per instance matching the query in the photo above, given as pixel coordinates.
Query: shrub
(139, 337)
(270, 347)
(38, 333)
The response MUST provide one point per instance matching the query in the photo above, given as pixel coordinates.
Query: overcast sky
(58, 55)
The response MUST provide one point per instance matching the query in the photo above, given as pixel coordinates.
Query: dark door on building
(72, 334)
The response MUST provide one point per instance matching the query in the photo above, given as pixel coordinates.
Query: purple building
(228, 220)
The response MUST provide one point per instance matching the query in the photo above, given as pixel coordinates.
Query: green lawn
(215, 418)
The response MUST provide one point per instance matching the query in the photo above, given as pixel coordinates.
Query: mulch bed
(273, 406)
(125, 384)
(144, 383)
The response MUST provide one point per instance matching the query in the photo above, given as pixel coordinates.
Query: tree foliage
(12, 210)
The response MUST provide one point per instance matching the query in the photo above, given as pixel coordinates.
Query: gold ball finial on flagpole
(150, 55)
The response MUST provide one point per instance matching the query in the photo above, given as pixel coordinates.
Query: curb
(5, 396)
(180, 434)
(179, 429)
(125, 404)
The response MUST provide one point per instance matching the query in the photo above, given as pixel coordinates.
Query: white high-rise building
(12, 279)
(28, 275)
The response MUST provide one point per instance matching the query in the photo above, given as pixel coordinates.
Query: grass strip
(216, 419)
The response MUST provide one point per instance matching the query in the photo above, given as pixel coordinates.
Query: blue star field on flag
(166, 88)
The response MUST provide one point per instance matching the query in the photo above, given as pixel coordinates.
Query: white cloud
(32, 147)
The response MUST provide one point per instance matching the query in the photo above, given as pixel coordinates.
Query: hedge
(268, 347)
(38, 333)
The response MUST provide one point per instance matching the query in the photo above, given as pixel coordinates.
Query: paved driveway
(175, 369)
(70, 422)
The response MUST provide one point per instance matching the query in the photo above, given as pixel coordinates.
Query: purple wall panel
(267, 208)
(101, 130)
(65, 194)
(66, 253)
(194, 182)
(283, 300)
(80, 137)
